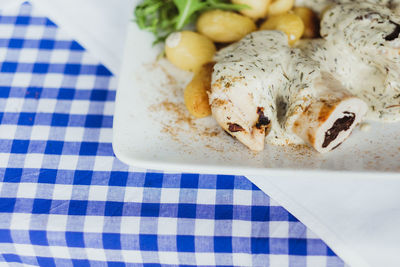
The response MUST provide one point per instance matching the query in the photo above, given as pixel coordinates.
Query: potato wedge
(195, 95)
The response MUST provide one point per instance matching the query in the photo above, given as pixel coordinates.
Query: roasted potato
(289, 23)
(189, 50)
(224, 26)
(280, 7)
(310, 20)
(257, 8)
(195, 95)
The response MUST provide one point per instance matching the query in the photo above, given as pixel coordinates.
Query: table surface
(66, 200)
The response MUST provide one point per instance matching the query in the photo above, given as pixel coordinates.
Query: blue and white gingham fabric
(65, 200)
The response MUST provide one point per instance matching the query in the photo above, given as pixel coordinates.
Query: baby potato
(195, 95)
(189, 50)
(280, 6)
(257, 8)
(224, 26)
(289, 23)
(310, 21)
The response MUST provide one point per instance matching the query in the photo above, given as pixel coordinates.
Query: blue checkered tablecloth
(65, 199)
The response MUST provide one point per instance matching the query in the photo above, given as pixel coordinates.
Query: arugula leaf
(186, 9)
(162, 17)
(156, 16)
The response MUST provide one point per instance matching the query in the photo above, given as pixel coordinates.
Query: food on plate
(257, 8)
(189, 50)
(268, 85)
(310, 21)
(261, 76)
(280, 6)
(317, 91)
(224, 26)
(196, 92)
(289, 23)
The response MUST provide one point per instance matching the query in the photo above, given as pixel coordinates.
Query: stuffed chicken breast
(317, 91)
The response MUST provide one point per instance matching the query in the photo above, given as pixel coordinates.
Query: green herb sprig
(162, 17)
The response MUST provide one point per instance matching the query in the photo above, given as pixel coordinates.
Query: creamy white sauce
(365, 127)
(320, 5)
(353, 50)
(264, 76)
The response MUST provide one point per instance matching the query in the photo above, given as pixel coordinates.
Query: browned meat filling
(262, 119)
(395, 33)
(234, 127)
(342, 124)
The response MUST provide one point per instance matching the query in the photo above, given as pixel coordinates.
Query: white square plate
(152, 129)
